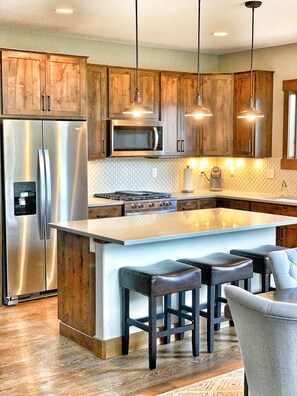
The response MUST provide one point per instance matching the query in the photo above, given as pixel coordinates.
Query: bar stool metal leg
(196, 320)
(218, 306)
(152, 332)
(167, 316)
(248, 284)
(181, 321)
(210, 317)
(125, 325)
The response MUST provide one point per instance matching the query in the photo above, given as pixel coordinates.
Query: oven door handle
(156, 138)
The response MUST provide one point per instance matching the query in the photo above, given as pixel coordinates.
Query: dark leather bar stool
(217, 269)
(260, 259)
(160, 279)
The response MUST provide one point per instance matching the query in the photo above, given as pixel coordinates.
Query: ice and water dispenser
(24, 198)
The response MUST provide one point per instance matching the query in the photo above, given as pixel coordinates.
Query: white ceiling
(162, 23)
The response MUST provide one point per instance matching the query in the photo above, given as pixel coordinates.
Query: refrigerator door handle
(48, 209)
(41, 177)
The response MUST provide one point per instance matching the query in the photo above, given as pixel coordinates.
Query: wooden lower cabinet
(101, 212)
(232, 204)
(193, 204)
(207, 203)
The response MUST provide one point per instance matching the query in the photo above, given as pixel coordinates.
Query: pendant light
(137, 108)
(198, 110)
(251, 113)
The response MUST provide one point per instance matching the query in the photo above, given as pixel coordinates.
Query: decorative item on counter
(215, 179)
(188, 180)
(284, 189)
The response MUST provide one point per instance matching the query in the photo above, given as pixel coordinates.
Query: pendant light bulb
(251, 113)
(198, 111)
(137, 108)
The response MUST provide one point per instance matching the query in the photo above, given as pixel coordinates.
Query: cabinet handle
(103, 146)
(177, 146)
(49, 103)
(250, 146)
(43, 102)
(182, 146)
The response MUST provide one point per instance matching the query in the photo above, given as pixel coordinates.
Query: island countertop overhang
(133, 230)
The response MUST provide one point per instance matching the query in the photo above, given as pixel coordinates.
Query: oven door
(136, 138)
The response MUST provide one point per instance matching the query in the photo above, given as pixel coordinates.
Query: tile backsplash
(241, 174)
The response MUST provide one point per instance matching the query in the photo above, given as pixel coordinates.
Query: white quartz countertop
(246, 196)
(134, 230)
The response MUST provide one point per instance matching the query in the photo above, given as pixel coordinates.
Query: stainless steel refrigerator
(44, 179)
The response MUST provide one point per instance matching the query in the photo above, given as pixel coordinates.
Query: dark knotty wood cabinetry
(97, 111)
(100, 212)
(35, 84)
(178, 93)
(217, 91)
(121, 90)
(193, 204)
(232, 204)
(253, 139)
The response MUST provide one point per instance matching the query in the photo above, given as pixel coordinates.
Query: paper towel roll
(188, 180)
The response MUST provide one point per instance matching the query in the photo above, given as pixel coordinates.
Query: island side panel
(76, 288)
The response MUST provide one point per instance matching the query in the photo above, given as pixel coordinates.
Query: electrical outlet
(270, 173)
(154, 172)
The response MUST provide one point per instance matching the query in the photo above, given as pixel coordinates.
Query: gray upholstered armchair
(267, 333)
(283, 265)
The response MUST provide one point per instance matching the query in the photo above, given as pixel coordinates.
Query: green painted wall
(108, 53)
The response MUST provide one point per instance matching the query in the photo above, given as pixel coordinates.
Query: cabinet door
(149, 86)
(66, 86)
(121, 91)
(243, 130)
(217, 130)
(187, 204)
(23, 83)
(170, 112)
(101, 212)
(289, 233)
(265, 208)
(207, 203)
(97, 103)
(190, 127)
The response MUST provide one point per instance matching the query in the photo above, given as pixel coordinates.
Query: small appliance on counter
(215, 183)
(188, 180)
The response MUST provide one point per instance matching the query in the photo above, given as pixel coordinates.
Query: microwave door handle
(156, 138)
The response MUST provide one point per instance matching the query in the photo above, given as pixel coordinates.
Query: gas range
(142, 202)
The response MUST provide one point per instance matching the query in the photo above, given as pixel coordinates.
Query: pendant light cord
(198, 50)
(252, 58)
(136, 47)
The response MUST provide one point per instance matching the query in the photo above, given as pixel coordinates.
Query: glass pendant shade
(198, 111)
(251, 113)
(137, 108)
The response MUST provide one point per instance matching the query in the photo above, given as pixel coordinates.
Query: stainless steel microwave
(136, 138)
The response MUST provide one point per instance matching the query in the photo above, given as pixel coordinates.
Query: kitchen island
(90, 253)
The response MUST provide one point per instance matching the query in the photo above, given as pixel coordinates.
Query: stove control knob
(151, 205)
(140, 206)
(167, 203)
(161, 204)
(133, 206)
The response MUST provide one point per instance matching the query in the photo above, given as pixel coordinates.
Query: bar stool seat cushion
(259, 256)
(218, 268)
(164, 277)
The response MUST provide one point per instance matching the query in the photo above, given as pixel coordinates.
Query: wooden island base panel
(90, 253)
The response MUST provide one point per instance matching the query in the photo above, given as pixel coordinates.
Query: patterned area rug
(229, 384)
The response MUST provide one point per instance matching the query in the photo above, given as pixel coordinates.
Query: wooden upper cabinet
(190, 127)
(66, 86)
(43, 85)
(97, 111)
(170, 112)
(253, 139)
(23, 83)
(217, 95)
(121, 91)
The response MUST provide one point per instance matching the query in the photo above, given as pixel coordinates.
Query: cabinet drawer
(207, 203)
(265, 208)
(240, 205)
(187, 204)
(100, 212)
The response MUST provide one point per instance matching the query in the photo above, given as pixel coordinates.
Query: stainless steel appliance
(44, 179)
(143, 202)
(136, 138)
(215, 183)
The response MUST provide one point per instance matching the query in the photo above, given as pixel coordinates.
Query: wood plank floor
(36, 360)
